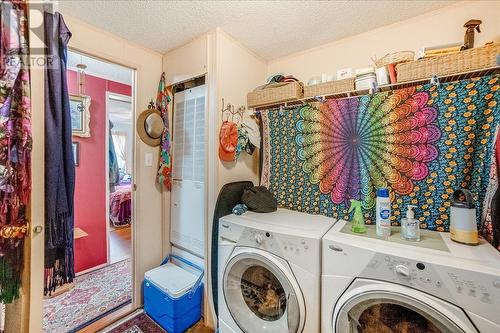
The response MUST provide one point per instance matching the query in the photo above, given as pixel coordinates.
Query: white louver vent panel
(188, 190)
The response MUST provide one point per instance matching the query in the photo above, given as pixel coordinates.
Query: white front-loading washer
(270, 271)
(372, 285)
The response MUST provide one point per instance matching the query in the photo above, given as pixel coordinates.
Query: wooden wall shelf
(387, 87)
(79, 233)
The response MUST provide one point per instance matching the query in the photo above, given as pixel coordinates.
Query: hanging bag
(259, 199)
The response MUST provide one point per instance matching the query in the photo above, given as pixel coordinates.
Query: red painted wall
(90, 187)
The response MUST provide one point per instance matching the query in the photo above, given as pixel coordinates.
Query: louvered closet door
(188, 190)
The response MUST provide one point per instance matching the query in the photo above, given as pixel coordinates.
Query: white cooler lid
(172, 279)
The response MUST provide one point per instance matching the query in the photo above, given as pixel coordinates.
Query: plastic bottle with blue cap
(383, 210)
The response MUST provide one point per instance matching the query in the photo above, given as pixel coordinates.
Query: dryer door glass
(391, 312)
(260, 295)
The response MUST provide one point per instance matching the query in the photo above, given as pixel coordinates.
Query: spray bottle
(358, 221)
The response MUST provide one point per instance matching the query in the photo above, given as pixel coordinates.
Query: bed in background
(120, 203)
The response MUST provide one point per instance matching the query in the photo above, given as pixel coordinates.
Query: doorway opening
(102, 114)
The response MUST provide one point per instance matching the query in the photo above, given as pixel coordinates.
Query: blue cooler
(173, 294)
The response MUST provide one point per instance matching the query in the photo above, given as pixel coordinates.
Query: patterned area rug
(142, 323)
(94, 295)
(139, 324)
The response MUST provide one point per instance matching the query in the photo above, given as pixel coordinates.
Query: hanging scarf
(15, 145)
(165, 164)
(59, 163)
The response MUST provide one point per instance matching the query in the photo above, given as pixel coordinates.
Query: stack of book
(433, 51)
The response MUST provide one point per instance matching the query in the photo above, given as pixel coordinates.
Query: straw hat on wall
(150, 127)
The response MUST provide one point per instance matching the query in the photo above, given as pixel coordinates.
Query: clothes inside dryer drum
(260, 297)
(391, 313)
(263, 293)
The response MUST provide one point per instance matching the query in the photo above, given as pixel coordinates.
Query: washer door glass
(259, 295)
(391, 313)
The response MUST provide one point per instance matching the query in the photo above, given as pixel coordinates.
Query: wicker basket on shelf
(281, 92)
(395, 58)
(329, 88)
(463, 61)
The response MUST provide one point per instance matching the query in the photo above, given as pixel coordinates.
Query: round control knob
(258, 239)
(402, 270)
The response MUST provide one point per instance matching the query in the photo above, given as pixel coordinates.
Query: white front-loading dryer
(377, 306)
(261, 293)
(373, 285)
(269, 272)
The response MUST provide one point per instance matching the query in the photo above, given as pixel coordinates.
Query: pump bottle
(410, 228)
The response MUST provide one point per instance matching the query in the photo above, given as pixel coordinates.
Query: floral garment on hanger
(15, 145)
(165, 164)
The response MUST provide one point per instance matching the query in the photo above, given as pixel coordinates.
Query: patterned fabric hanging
(490, 221)
(15, 145)
(164, 176)
(422, 142)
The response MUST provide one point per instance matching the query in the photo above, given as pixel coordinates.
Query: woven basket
(463, 61)
(395, 58)
(281, 93)
(329, 88)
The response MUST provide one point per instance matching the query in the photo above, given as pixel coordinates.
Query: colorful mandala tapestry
(422, 143)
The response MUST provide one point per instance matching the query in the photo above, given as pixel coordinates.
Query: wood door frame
(148, 198)
(31, 302)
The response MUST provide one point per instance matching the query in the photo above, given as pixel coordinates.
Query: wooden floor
(120, 244)
(199, 328)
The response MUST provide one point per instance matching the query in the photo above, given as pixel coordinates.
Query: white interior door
(188, 190)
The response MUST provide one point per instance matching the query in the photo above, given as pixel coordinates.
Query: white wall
(187, 61)
(438, 27)
(238, 72)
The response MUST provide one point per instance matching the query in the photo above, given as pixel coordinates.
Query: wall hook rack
(229, 113)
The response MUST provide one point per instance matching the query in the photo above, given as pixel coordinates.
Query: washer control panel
(286, 245)
(405, 271)
(473, 291)
(292, 248)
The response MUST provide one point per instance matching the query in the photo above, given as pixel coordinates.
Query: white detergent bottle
(383, 213)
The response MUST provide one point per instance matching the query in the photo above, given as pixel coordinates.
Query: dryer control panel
(300, 250)
(476, 292)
